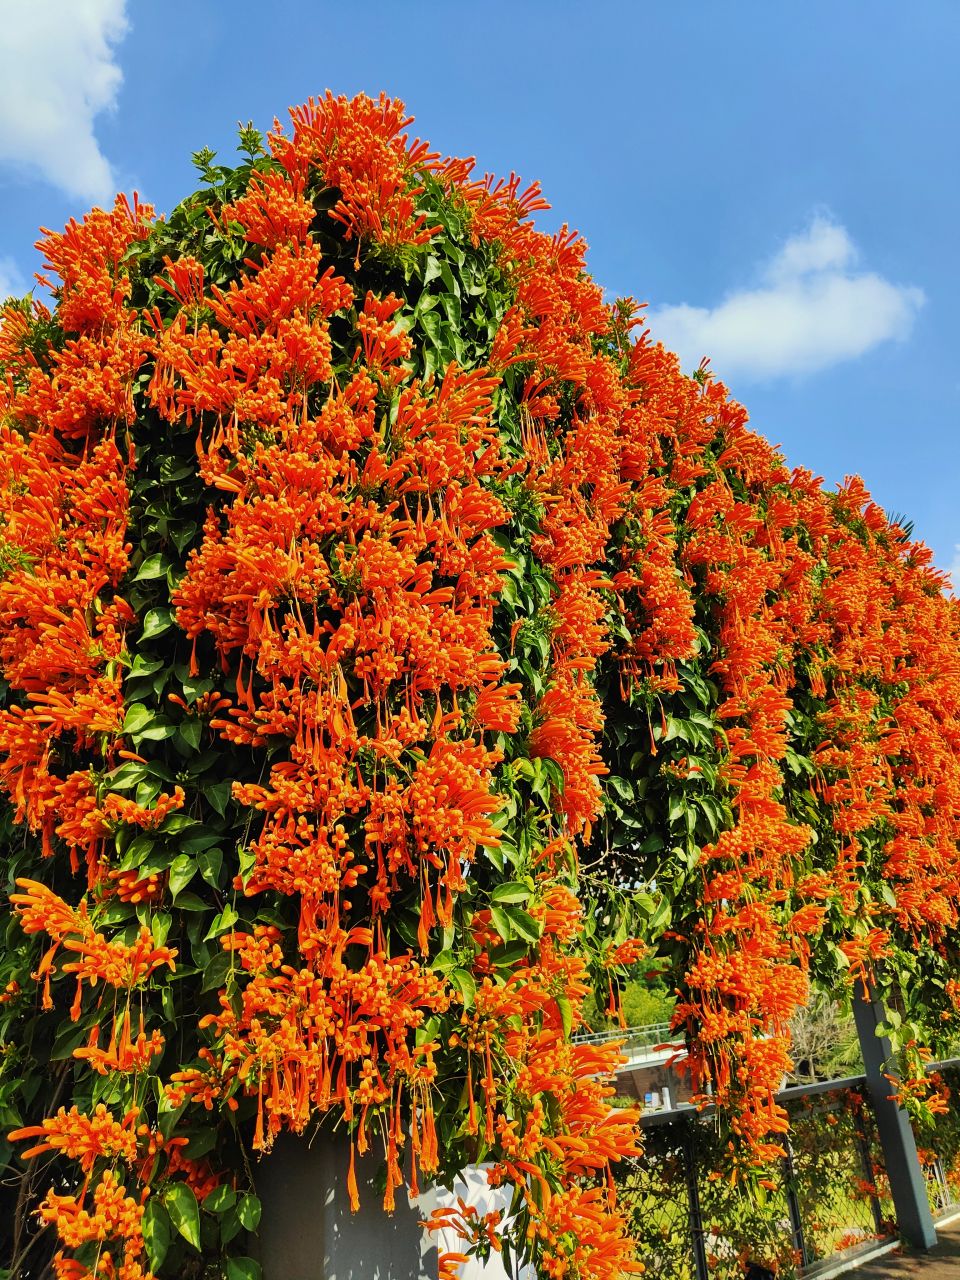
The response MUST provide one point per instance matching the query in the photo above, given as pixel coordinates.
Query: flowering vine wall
(397, 648)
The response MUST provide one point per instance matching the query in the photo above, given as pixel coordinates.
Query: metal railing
(637, 1040)
(693, 1219)
(827, 1205)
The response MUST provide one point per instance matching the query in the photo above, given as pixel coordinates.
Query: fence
(825, 1207)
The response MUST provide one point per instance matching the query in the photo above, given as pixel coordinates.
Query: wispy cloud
(811, 310)
(954, 569)
(12, 283)
(57, 71)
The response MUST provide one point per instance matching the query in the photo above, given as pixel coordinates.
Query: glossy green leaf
(153, 567)
(513, 891)
(191, 727)
(157, 1230)
(156, 623)
(524, 924)
(501, 922)
(219, 795)
(201, 1143)
(220, 1199)
(222, 923)
(249, 1212)
(230, 1224)
(181, 1204)
(210, 862)
(190, 902)
(182, 870)
(243, 1269)
(215, 973)
(137, 718)
(466, 984)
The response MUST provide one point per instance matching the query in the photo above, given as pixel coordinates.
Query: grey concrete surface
(942, 1262)
(308, 1232)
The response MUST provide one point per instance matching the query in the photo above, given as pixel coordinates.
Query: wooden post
(907, 1186)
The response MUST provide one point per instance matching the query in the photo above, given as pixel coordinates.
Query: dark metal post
(693, 1203)
(893, 1126)
(793, 1204)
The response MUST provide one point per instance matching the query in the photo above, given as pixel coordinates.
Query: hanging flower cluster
(358, 567)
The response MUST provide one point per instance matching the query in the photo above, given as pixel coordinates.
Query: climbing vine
(396, 648)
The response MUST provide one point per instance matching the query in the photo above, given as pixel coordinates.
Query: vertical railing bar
(869, 1173)
(693, 1204)
(793, 1204)
(943, 1187)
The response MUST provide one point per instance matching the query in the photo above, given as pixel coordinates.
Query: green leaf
(501, 922)
(222, 923)
(190, 902)
(153, 567)
(248, 860)
(447, 959)
(137, 718)
(180, 535)
(177, 822)
(156, 623)
(156, 1228)
(465, 983)
(172, 469)
(229, 1226)
(661, 918)
(677, 807)
(243, 1269)
(210, 862)
(200, 1143)
(249, 1211)
(555, 774)
(182, 870)
(181, 1204)
(71, 1038)
(270, 916)
(193, 844)
(143, 668)
(160, 926)
(524, 924)
(430, 323)
(159, 858)
(215, 973)
(508, 953)
(513, 891)
(159, 728)
(220, 1199)
(218, 793)
(137, 852)
(621, 786)
(191, 727)
(566, 1014)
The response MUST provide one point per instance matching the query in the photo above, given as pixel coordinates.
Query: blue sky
(778, 181)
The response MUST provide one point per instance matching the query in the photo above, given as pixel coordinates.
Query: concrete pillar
(307, 1231)
(893, 1126)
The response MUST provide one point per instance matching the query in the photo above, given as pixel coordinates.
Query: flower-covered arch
(397, 647)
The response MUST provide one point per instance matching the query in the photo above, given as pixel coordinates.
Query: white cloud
(56, 73)
(811, 310)
(12, 283)
(954, 570)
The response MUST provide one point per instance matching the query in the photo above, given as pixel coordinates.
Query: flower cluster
(360, 571)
